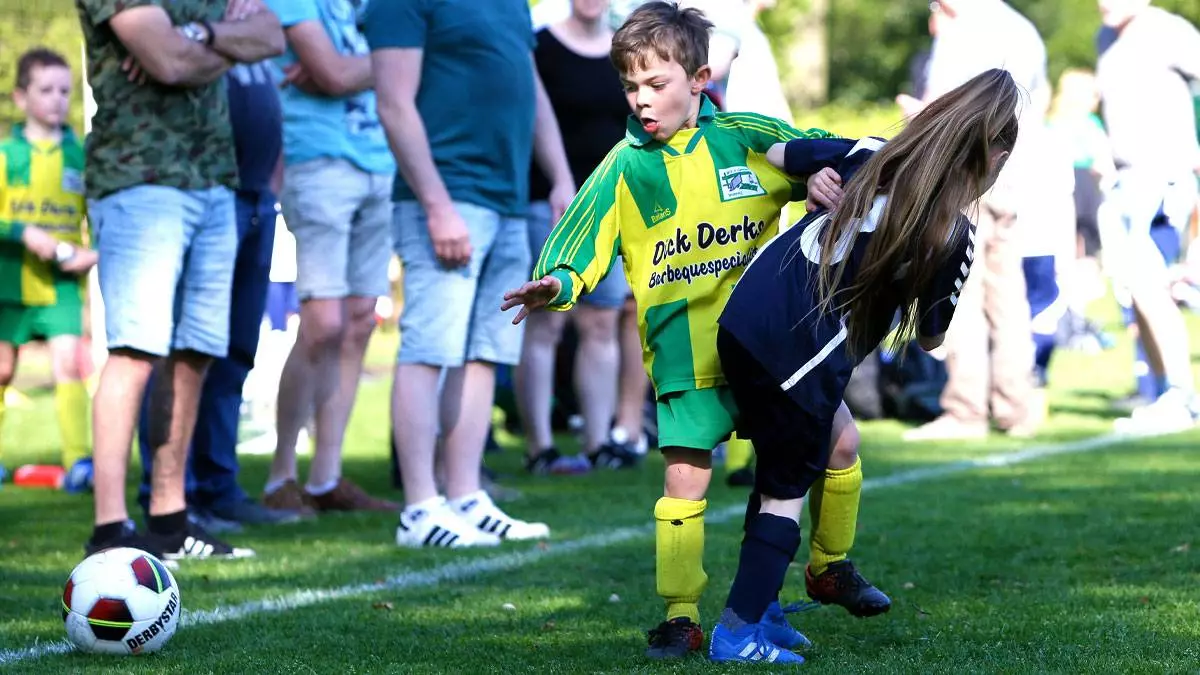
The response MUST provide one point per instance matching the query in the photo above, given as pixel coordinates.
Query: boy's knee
(688, 473)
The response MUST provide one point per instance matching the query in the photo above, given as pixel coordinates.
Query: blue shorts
(610, 293)
(166, 267)
(452, 316)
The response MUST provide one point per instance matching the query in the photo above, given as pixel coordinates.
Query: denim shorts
(340, 217)
(166, 267)
(452, 316)
(610, 293)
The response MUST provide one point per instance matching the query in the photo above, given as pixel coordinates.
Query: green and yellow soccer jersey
(40, 184)
(686, 216)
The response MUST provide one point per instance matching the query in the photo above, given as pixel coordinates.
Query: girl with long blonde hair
(890, 258)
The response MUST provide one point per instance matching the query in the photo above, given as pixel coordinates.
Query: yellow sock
(71, 404)
(738, 453)
(833, 512)
(679, 555)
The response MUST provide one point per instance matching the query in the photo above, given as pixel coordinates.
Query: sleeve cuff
(11, 231)
(566, 296)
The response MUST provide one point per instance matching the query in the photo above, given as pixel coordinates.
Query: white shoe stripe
(748, 650)
(773, 655)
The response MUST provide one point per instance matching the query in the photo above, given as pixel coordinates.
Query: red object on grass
(39, 475)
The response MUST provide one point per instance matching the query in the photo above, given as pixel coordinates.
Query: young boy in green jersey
(42, 253)
(687, 199)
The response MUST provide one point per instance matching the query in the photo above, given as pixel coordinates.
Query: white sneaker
(1172, 412)
(434, 524)
(479, 510)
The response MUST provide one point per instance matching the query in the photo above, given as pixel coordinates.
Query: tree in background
(870, 42)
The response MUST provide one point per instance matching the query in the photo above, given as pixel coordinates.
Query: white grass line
(508, 561)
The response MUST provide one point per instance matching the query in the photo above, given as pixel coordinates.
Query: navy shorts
(791, 444)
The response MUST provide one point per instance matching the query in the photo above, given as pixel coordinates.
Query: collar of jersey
(18, 133)
(638, 138)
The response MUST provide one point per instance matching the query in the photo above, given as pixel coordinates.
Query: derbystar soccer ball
(121, 601)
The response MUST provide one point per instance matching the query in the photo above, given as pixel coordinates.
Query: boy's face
(48, 96)
(663, 97)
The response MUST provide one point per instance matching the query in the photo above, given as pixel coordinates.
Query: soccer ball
(120, 601)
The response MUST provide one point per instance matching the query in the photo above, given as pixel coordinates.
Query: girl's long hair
(931, 171)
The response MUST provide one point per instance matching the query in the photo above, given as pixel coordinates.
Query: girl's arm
(935, 308)
(806, 156)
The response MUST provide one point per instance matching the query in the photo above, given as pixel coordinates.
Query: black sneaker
(551, 461)
(841, 584)
(195, 542)
(129, 538)
(674, 639)
(614, 456)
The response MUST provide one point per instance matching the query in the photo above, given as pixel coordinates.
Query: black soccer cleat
(841, 584)
(674, 639)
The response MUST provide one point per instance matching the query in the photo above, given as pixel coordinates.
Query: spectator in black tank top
(589, 101)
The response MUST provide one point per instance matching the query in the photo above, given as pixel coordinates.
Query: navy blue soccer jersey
(773, 311)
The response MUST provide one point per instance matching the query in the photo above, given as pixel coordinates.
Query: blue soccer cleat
(748, 645)
(3, 474)
(79, 476)
(779, 631)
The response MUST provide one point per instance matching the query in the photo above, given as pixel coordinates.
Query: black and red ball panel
(150, 573)
(110, 619)
(66, 599)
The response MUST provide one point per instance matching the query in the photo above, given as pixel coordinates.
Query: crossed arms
(248, 33)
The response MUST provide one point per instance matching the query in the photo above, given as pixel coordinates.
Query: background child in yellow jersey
(42, 255)
(687, 198)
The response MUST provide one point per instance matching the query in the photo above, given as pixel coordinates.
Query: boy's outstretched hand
(532, 295)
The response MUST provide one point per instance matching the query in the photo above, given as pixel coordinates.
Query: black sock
(108, 531)
(753, 506)
(768, 548)
(168, 523)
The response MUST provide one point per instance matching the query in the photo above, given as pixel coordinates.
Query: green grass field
(1080, 561)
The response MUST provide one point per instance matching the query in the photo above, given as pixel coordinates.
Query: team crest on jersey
(738, 182)
(72, 181)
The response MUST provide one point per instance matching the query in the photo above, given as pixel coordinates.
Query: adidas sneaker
(479, 510)
(435, 524)
(195, 542)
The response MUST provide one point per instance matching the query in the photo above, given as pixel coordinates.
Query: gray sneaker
(250, 512)
(212, 523)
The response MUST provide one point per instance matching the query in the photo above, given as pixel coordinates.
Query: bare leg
(596, 371)
(534, 377)
(174, 404)
(415, 408)
(114, 418)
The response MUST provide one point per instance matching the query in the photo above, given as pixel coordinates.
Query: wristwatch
(198, 31)
(63, 252)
